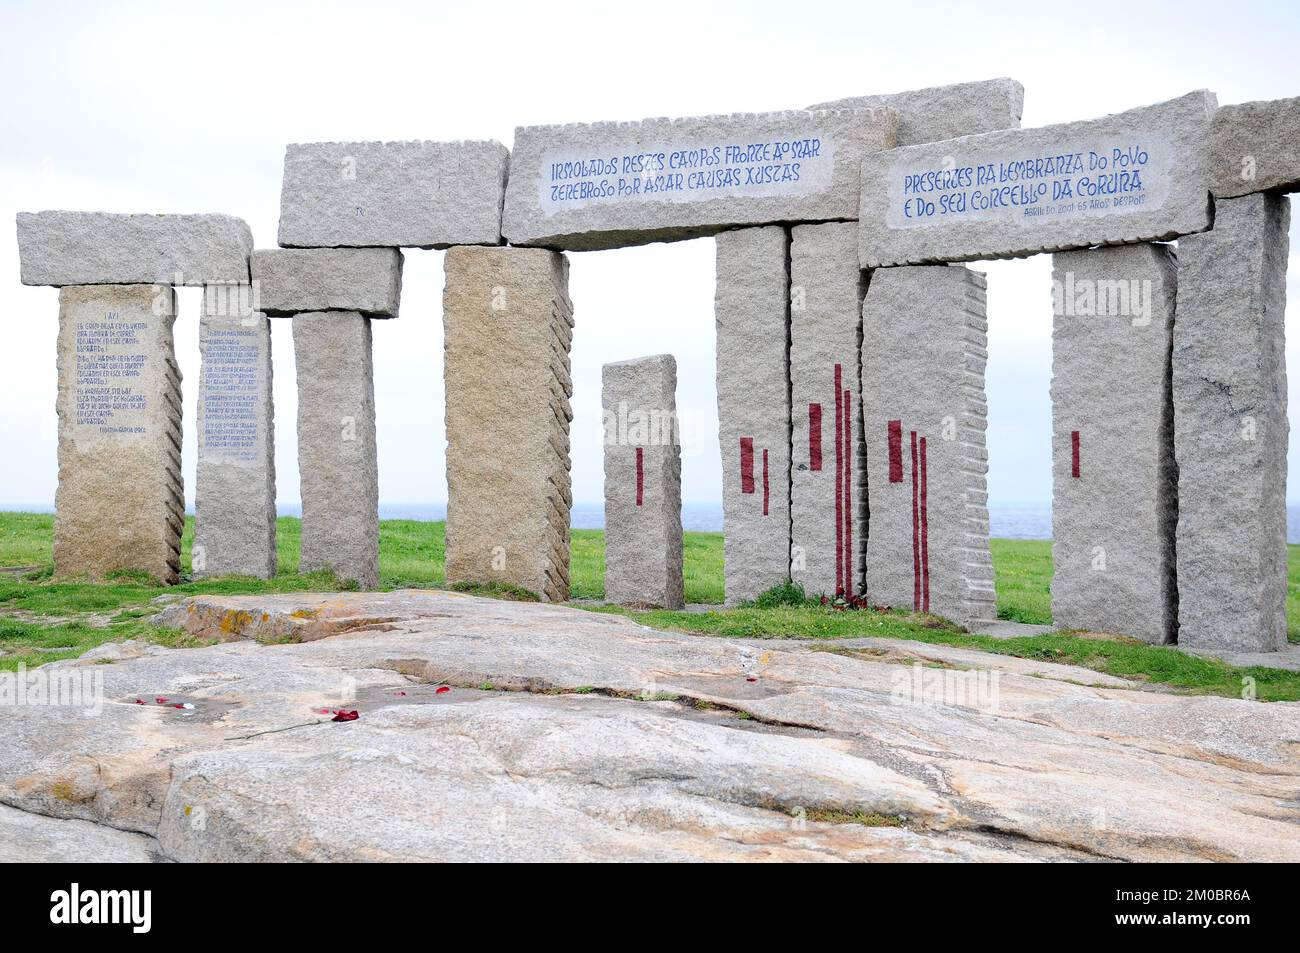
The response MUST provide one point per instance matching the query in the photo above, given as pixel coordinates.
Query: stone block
(827, 477)
(337, 462)
(946, 112)
(1134, 176)
(1231, 429)
(643, 483)
(120, 502)
(1254, 147)
(234, 500)
(507, 331)
(611, 184)
(295, 280)
(392, 194)
(102, 248)
(924, 350)
(1114, 480)
(751, 306)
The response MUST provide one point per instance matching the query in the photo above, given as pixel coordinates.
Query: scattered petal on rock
(442, 690)
(342, 715)
(160, 700)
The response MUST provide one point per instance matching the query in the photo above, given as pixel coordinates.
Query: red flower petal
(178, 705)
(342, 715)
(161, 701)
(442, 690)
(751, 678)
(399, 693)
(139, 702)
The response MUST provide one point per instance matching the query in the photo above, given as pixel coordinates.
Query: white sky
(171, 107)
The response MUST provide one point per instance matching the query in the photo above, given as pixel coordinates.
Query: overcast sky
(171, 107)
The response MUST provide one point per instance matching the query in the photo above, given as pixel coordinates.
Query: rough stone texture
(828, 517)
(1255, 146)
(337, 462)
(120, 502)
(1061, 763)
(751, 305)
(1113, 525)
(35, 838)
(1231, 429)
(643, 483)
(946, 112)
(507, 331)
(234, 493)
(960, 180)
(294, 280)
(924, 350)
(392, 194)
(102, 248)
(605, 185)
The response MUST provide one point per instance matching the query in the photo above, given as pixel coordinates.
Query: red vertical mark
(895, 451)
(640, 475)
(1074, 454)
(848, 492)
(746, 464)
(814, 436)
(916, 530)
(839, 485)
(925, 536)
(766, 488)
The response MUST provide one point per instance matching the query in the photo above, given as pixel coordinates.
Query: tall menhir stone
(827, 478)
(1114, 480)
(508, 327)
(120, 502)
(643, 483)
(1230, 428)
(336, 445)
(234, 506)
(924, 351)
(753, 324)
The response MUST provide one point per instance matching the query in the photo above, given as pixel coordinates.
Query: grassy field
(42, 620)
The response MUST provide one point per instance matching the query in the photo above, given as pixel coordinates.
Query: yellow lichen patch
(235, 621)
(62, 790)
(304, 614)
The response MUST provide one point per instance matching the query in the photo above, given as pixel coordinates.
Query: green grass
(1023, 572)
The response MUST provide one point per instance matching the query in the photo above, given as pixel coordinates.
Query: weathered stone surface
(828, 526)
(605, 185)
(507, 330)
(946, 112)
(120, 501)
(102, 248)
(1004, 194)
(294, 280)
(924, 349)
(643, 482)
(1040, 767)
(337, 462)
(234, 494)
(1114, 480)
(751, 305)
(1255, 146)
(393, 194)
(34, 838)
(1230, 428)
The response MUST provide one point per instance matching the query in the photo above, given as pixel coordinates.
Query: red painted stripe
(916, 531)
(895, 451)
(814, 436)
(1074, 454)
(640, 475)
(839, 485)
(746, 464)
(848, 493)
(766, 488)
(925, 536)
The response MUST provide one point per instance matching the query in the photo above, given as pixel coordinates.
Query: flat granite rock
(293, 280)
(27, 838)
(1135, 176)
(946, 112)
(1255, 147)
(570, 735)
(102, 248)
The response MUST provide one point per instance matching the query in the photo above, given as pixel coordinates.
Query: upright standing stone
(508, 327)
(120, 501)
(643, 483)
(336, 445)
(1230, 428)
(924, 350)
(1114, 481)
(753, 324)
(234, 505)
(828, 459)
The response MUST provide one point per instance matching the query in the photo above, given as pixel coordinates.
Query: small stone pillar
(508, 327)
(1230, 428)
(1114, 481)
(924, 350)
(751, 306)
(643, 483)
